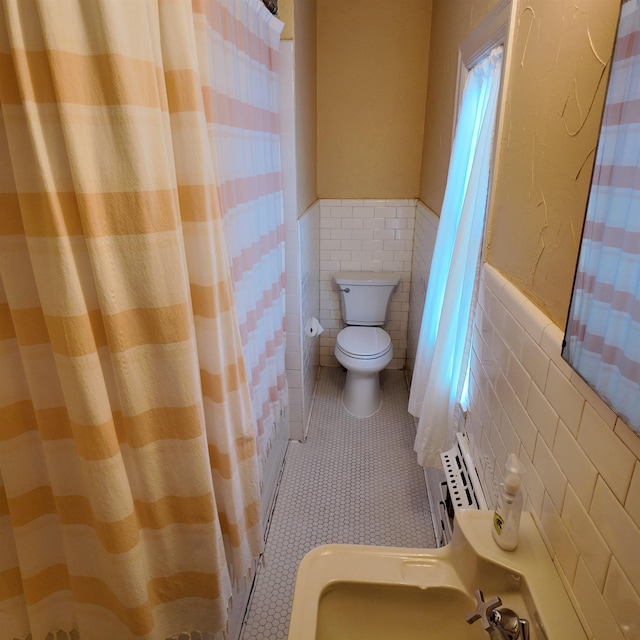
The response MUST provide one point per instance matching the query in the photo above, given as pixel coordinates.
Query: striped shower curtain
(242, 87)
(129, 474)
(603, 330)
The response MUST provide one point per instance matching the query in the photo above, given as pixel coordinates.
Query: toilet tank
(365, 296)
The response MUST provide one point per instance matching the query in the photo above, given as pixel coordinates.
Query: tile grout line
(353, 481)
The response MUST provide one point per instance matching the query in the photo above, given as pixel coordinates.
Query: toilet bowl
(364, 352)
(363, 348)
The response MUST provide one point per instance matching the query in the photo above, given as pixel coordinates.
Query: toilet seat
(364, 343)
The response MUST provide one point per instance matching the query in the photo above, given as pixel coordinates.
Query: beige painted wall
(300, 25)
(285, 14)
(452, 22)
(372, 73)
(554, 97)
(305, 64)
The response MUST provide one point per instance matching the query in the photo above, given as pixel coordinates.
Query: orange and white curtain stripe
(129, 495)
(242, 117)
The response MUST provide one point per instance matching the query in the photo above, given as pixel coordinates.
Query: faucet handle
(483, 610)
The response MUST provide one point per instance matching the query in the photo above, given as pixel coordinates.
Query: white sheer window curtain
(443, 347)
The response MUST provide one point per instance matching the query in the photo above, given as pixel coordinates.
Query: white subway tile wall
(365, 235)
(423, 244)
(293, 350)
(309, 236)
(303, 303)
(582, 467)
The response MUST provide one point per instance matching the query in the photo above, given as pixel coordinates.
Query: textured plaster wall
(555, 80)
(556, 86)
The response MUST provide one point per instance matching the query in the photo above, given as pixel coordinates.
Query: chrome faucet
(500, 624)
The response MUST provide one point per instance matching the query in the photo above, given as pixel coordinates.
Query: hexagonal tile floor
(353, 481)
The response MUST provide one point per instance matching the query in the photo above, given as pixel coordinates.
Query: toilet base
(361, 396)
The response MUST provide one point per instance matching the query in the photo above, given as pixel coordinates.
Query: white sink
(361, 611)
(361, 592)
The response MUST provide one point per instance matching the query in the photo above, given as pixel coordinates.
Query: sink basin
(361, 611)
(360, 592)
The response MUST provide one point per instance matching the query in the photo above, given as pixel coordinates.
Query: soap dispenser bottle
(506, 519)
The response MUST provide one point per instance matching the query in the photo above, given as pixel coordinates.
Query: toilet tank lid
(368, 277)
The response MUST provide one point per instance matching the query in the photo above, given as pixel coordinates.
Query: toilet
(364, 348)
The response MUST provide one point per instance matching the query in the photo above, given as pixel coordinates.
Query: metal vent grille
(463, 483)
